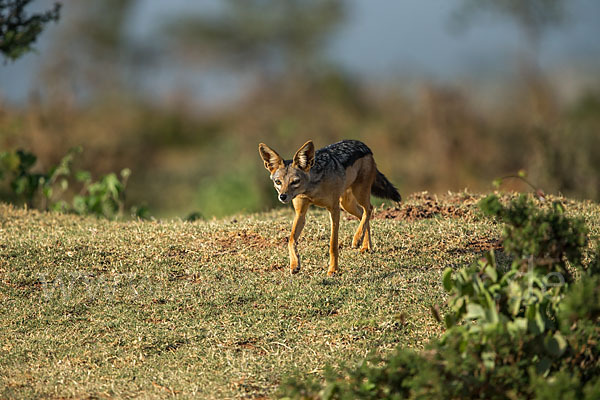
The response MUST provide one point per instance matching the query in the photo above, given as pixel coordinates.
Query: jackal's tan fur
(339, 175)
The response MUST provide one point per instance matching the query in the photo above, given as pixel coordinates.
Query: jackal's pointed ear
(304, 158)
(272, 160)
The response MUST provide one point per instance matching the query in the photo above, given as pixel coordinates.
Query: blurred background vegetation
(183, 99)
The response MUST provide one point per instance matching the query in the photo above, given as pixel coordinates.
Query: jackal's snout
(284, 198)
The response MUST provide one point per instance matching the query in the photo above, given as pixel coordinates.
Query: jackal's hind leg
(366, 242)
(363, 233)
(350, 205)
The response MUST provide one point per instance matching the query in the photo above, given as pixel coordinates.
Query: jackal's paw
(365, 250)
(333, 272)
(294, 269)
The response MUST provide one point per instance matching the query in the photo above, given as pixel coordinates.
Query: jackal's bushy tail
(384, 189)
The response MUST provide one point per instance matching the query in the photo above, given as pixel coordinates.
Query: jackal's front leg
(300, 206)
(334, 250)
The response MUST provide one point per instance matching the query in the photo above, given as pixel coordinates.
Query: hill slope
(92, 308)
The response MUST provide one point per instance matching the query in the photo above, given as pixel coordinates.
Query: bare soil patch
(242, 238)
(422, 206)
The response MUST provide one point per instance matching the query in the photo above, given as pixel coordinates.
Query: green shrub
(524, 330)
(50, 190)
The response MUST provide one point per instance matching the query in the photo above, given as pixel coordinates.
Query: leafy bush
(522, 330)
(49, 190)
(28, 186)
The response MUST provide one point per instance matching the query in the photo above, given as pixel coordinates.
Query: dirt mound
(413, 212)
(422, 206)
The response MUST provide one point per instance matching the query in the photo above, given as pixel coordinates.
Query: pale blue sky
(382, 39)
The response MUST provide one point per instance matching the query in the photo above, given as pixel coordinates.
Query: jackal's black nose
(283, 197)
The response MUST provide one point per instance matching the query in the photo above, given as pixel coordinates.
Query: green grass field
(100, 309)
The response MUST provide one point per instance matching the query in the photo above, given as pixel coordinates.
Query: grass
(99, 309)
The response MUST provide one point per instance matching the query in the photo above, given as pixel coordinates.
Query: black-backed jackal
(343, 175)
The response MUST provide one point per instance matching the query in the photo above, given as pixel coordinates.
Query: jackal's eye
(277, 182)
(295, 182)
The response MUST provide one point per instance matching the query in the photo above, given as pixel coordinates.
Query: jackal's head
(290, 178)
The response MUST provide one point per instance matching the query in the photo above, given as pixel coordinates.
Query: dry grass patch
(94, 309)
